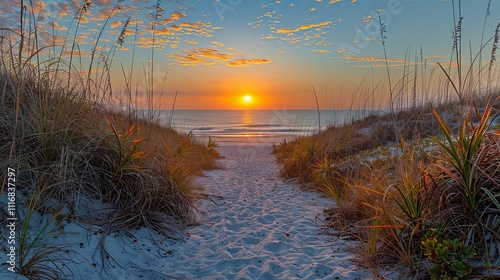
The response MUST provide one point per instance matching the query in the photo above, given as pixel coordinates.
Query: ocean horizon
(256, 123)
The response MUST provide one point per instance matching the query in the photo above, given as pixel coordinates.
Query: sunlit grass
(79, 152)
(428, 166)
(391, 195)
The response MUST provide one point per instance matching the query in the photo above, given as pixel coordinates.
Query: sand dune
(254, 226)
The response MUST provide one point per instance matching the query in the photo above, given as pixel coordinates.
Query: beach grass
(80, 156)
(390, 192)
(422, 177)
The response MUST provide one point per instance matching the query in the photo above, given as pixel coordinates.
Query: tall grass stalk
(457, 47)
(96, 43)
(487, 14)
(494, 49)
(317, 107)
(84, 8)
(382, 37)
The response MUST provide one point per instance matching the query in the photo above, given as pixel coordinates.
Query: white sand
(257, 226)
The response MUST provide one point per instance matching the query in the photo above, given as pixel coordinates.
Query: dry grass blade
(495, 199)
(457, 90)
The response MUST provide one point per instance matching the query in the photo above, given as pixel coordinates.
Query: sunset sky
(218, 51)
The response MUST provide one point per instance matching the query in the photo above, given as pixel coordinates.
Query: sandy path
(259, 227)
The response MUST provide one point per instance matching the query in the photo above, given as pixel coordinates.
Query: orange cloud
(433, 57)
(372, 59)
(61, 8)
(320, 51)
(201, 56)
(212, 56)
(56, 26)
(116, 24)
(243, 62)
(367, 18)
(175, 16)
(39, 7)
(215, 43)
(164, 31)
(147, 42)
(196, 28)
(84, 19)
(182, 29)
(191, 42)
(103, 2)
(303, 27)
(212, 53)
(102, 14)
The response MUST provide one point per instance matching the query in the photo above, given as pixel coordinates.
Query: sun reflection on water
(247, 118)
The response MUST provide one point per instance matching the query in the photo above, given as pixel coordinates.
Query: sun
(247, 98)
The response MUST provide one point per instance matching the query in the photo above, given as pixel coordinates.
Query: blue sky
(216, 51)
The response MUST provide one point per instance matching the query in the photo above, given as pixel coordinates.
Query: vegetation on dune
(391, 193)
(80, 158)
(420, 185)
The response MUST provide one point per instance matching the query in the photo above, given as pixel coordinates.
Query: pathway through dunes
(258, 227)
(254, 226)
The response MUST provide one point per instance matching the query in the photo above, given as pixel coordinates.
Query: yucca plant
(469, 191)
(459, 150)
(127, 150)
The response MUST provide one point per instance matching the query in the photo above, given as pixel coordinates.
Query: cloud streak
(212, 56)
(304, 27)
(243, 62)
(371, 59)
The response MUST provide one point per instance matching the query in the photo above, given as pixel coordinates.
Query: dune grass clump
(79, 156)
(418, 187)
(75, 150)
(390, 194)
(102, 167)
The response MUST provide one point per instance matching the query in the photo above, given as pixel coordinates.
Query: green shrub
(450, 257)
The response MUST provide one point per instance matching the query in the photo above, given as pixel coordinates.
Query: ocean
(255, 123)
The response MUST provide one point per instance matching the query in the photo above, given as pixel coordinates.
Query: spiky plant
(470, 184)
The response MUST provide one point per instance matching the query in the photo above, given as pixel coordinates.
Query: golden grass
(416, 169)
(76, 151)
(388, 193)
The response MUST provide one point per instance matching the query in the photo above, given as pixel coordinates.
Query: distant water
(255, 123)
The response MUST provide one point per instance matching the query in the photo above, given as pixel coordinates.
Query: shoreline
(247, 140)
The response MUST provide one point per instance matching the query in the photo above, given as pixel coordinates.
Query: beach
(249, 140)
(254, 225)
